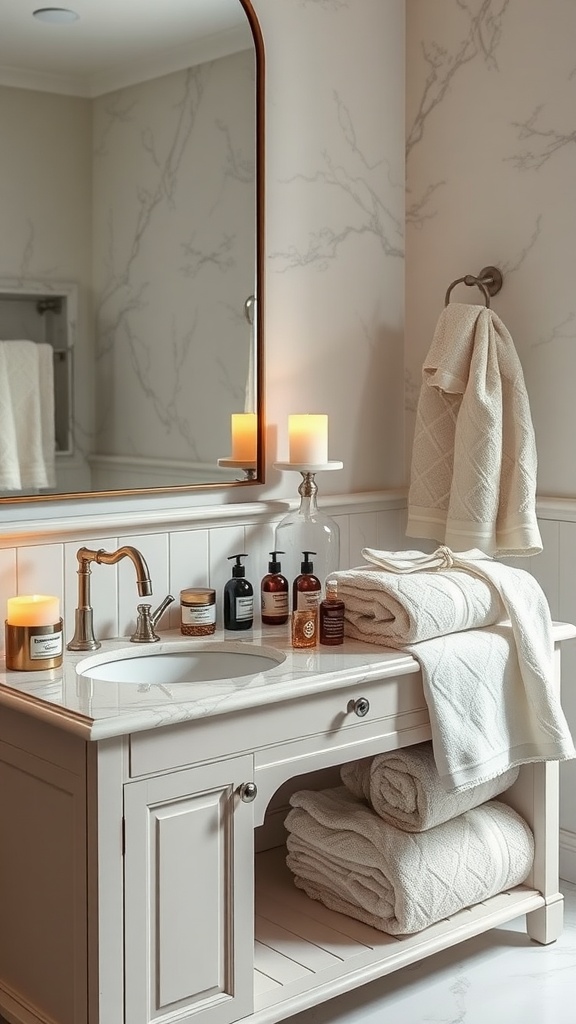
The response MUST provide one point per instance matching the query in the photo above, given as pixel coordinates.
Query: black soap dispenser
(238, 598)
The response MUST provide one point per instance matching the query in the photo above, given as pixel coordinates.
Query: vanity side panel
(43, 886)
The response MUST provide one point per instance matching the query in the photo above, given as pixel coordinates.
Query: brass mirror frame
(258, 477)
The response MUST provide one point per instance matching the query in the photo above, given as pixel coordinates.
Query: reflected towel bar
(489, 281)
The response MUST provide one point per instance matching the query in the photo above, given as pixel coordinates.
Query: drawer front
(389, 701)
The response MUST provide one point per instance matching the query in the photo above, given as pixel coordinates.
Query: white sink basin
(181, 664)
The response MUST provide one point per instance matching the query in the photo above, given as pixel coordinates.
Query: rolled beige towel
(404, 788)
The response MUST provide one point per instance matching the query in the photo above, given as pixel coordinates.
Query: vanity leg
(545, 924)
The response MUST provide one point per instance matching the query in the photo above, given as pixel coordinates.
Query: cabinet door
(189, 896)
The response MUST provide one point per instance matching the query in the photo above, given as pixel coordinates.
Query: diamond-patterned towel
(473, 475)
(344, 855)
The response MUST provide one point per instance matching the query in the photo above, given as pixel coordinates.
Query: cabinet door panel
(189, 904)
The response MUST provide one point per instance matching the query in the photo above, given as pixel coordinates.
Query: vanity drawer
(386, 705)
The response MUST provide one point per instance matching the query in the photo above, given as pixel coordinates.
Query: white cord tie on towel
(417, 561)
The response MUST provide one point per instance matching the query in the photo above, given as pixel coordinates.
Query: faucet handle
(147, 619)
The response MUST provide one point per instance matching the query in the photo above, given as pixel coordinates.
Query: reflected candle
(308, 439)
(33, 628)
(244, 429)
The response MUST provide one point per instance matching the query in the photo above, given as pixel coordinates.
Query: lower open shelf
(305, 953)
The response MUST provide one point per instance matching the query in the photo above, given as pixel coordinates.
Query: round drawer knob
(248, 792)
(360, 707)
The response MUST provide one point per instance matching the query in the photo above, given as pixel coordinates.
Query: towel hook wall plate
(489, 281)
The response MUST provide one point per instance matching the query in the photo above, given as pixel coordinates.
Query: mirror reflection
(128, 246)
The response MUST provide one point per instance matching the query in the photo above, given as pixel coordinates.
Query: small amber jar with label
(197, 611)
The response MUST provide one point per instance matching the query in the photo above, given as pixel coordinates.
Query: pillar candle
(244, 431)
(33, 610)
(308, 439)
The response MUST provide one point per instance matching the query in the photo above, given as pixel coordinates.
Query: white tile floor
(501, 977)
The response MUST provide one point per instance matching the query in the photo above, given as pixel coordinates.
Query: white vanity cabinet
(130, 892)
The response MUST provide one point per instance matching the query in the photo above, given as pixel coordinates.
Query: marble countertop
(97, 709)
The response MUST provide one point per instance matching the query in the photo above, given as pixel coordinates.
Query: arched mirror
(131, 231)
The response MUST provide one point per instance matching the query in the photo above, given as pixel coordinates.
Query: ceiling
(114, 43)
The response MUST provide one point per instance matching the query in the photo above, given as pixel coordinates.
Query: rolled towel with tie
(406, 597)
(403, 788)
(342, 854)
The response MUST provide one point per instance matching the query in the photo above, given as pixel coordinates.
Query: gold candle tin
(34, 648)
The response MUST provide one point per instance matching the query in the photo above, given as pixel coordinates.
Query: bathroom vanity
(130, 889)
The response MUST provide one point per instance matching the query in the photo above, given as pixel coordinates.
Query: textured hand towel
(27, 443)
(404, 788)
(473, 475)
(342, 854)
(489, 692)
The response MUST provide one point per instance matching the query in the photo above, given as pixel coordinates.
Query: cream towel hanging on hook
(473, 476)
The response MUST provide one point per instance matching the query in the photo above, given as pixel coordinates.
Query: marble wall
(491, 88)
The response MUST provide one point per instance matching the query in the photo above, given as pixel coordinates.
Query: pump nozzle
(238, 569)
(274, 565)
(307, 566)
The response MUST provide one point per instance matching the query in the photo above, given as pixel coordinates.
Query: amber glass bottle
(331, 616)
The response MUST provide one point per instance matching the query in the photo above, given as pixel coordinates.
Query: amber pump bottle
(331, 616)
(274, 593)
(306, 589)
(306, 594)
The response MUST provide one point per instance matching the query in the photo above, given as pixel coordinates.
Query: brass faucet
(84, 639)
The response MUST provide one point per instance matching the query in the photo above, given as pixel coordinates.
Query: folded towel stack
(490, 692)
(342, 853)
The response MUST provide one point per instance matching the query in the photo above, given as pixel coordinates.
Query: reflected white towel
(344, 855)
(473, 476)
(403, 787)
(490, 692)
(27, 442)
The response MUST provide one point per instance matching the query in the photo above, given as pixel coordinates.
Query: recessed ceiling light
(55, 15)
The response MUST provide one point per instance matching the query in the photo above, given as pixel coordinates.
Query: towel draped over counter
(473, 475)
(342, 854)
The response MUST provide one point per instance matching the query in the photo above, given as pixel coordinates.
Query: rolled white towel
(404, 788)
(342, 854)
(398, 608)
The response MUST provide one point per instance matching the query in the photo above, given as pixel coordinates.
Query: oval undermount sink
(214, 661)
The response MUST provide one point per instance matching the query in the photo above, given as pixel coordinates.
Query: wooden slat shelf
(305, 953)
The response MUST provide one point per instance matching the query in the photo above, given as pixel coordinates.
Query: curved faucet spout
(138, 561)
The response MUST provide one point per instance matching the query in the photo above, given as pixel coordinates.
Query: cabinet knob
(360, 706)
(248, 792)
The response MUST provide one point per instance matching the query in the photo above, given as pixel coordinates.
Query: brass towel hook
(489, 281)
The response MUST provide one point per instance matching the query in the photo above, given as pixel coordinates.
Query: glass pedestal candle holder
(307, 528)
